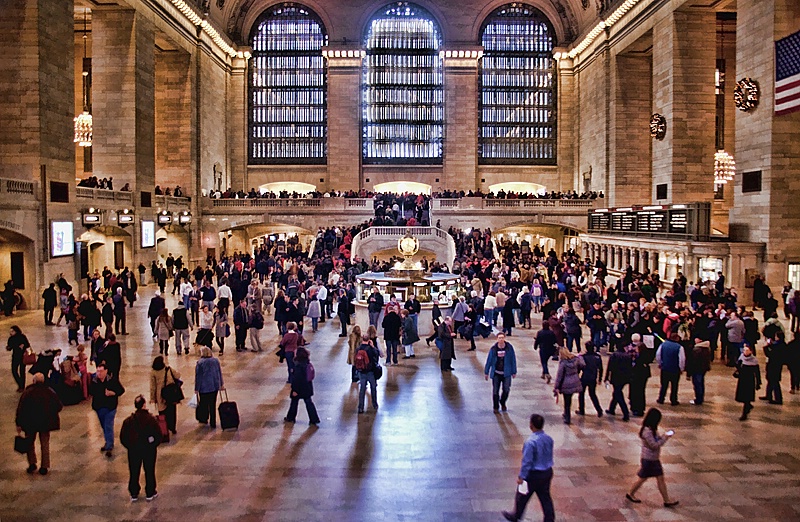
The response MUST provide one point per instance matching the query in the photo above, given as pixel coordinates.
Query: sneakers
(134, 499)
(109, 454)
(152, 498)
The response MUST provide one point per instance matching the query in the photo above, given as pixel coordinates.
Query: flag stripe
(787, 99)
(788, 83)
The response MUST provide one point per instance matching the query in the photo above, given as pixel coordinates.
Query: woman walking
(221, 328)
(567, 379)
(163, 328)
(749, 375)
(207, 383)
(302, 388)
(161, 376)
(651, 457)
(17, 345)
(206, 323)
(291, 340)
(353, 342)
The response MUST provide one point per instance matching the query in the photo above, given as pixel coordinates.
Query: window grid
(403, 99)
(288, 83)
(517, 102)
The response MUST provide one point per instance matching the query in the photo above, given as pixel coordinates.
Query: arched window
(287, 105)
(518, 103)
(403, 100)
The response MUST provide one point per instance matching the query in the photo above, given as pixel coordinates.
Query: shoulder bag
(172, 392)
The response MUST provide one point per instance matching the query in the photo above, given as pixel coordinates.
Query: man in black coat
(50, 297)
(141, 435)
(157, 304)
(37, 412)
(343, 311)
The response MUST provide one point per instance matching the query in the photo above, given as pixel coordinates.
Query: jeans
(495, 315)
(106, 417)
(538, 483)
(592, 387)
(373, 318)
(618, 398)
(136, 460)
(313, 418)
(574, 340)
(48, 315)
(497, 399)
(391, 350)
(314, 323)
(290, 365)
(598, 338)
(488, 314)
(545, 358)
(207, 408)
(669, 379)
(415, 318)
(699, 383)
(567, 407)
(364, 378)
(186, 302)
(182, 339)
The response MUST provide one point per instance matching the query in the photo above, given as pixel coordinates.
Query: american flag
(787, 74)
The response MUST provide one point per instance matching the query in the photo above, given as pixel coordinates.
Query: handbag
(29, 357)
(22, 444)
(172, 393)
(378, 372)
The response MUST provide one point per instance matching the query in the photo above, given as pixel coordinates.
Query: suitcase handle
(226, 396)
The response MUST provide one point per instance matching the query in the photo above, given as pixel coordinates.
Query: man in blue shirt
(537, 471)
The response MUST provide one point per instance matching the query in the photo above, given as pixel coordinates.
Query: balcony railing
(170, 201)
(319, 203)
(485, 204)
(103, 195)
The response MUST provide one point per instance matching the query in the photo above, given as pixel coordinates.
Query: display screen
(62, 238)
(654, 220)
(148, 234)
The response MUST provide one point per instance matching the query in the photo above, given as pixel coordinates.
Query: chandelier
(83, 121)
(724, 167)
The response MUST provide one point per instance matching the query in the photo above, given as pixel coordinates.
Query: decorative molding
(658, 126)
(746, 95)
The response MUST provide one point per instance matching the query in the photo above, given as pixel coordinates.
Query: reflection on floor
(433, 452)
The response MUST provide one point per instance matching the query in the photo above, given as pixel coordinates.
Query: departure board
(679, 221)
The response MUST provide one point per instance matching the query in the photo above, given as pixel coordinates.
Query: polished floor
(433, 452)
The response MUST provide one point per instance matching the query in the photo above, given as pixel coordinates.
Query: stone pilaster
(767, 143)
(173, 110)
(237, 133)
(123, 106)
(684, 59)
(461, 122)
(630, 172)
(566, 120)
(344, 122)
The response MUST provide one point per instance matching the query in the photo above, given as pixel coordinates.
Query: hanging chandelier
(724, 167)
(83, 121)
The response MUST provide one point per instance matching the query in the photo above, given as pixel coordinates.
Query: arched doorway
(108, 246)
(401, 187)
(17, 264)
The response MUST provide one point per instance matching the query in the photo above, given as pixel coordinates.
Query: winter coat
(567, 379)
(157, 383)
(410, 335)
(592, 368)
(749, 376)
(509, 361)
(314, 310)
(37, 410)
(164, 328)
(303, 387)
(444, 334)
(572, 324)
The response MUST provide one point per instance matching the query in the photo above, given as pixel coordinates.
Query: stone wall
(173, 119)
(592, 116)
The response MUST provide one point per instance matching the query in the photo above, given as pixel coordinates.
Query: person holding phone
(651, 457)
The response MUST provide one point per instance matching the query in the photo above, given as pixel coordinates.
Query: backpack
(310, 373)
(362, 362)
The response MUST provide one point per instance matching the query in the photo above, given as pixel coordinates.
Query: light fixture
(83, 121)
(724, 167)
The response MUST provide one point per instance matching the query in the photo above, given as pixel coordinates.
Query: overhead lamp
(164, 218)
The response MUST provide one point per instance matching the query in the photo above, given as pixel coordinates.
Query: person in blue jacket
(501, 367)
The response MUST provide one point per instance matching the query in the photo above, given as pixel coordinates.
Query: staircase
(375, 239)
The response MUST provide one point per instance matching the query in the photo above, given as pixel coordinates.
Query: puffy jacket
(567, 379)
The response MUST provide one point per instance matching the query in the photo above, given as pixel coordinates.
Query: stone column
(238, 134)
(684, 60)
(630, 173)
(461, 121)
(766, 142)
(175, 136)
(344, 120)
(123, 87)
(567, 152)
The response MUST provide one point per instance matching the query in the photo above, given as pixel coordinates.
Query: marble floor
(433, 452)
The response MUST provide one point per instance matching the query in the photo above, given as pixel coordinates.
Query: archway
(287, 186)
(109, 246)
(400, 187)
(518, 186)
(17, 262)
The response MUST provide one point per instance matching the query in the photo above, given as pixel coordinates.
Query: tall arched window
(288, 114)
(517, 104)
(403, 100)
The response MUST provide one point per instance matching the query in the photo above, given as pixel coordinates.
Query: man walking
(141, 435)
(182, 323)
(672, 361)
(374, 306)
(37, 413)
(241, 323)
(50, 297)
(536, 471)
(105, 390)
(501, 367)
(618, 373)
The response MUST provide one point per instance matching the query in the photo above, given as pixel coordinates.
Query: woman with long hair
(17, 345)
(161, 376)
(568, 381)
(651, 457)
(163, 329)
(353, 342)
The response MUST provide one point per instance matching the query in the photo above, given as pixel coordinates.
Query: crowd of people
(510, 194)
(637, 322)
(176, 192)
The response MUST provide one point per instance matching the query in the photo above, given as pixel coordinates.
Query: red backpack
(362, 362)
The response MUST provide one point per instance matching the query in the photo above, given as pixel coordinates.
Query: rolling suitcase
(162, 425)
(228, 413)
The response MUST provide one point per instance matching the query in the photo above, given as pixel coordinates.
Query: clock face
(746, 94)
(408, 245)
(658, 126)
